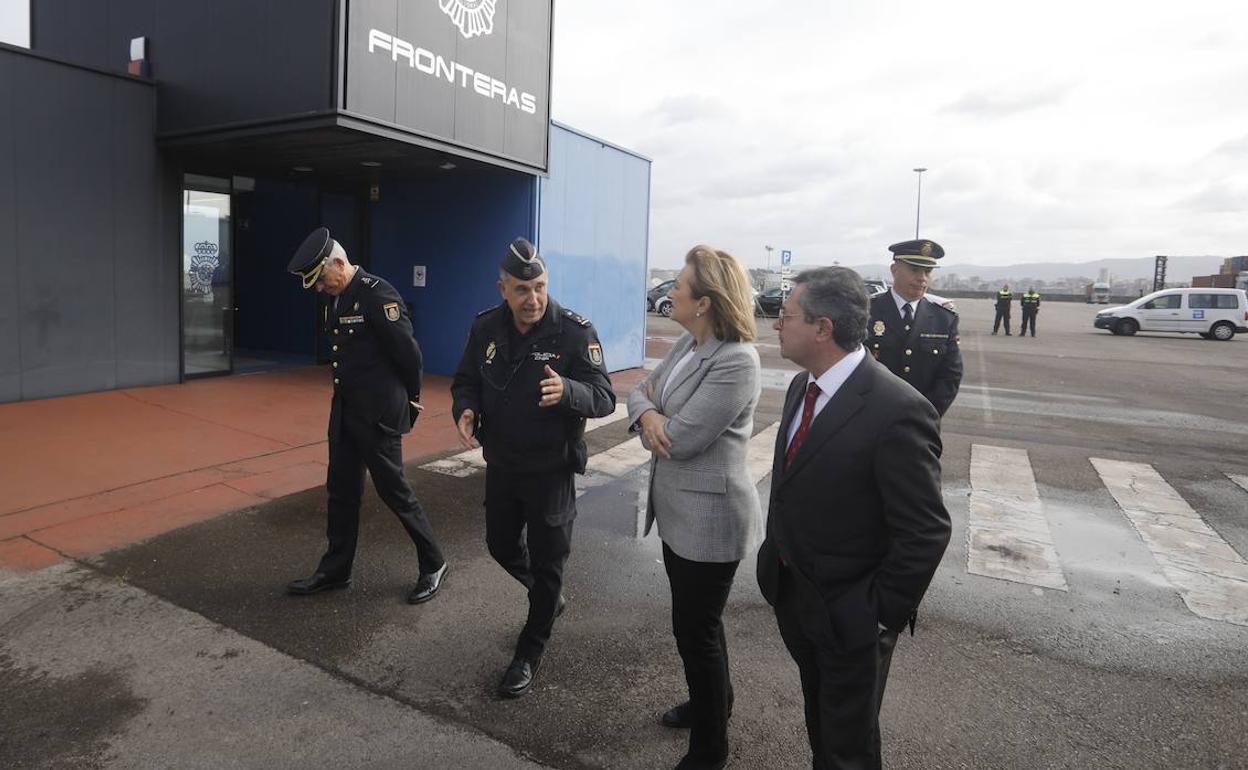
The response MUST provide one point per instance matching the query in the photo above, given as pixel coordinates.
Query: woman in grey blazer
(695, 413)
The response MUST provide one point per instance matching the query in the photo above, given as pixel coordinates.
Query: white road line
(760, 452)
(1210, 576)
(1008, 536)
(470, 461)
(979, 350)
(1242, 481)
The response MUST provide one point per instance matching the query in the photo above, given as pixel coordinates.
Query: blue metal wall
(594, 231)
(458, 226)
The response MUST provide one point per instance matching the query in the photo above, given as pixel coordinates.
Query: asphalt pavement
(183, 650)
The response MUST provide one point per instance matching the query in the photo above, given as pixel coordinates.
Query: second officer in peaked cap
(376, 367)
(531, 373)
(914, 337)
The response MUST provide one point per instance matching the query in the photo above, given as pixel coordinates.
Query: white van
(1215, 314)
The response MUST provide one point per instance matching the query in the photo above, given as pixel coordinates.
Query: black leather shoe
(315, 584)
(691, 763)
(428, 585)
(518, 678)
(679, 717)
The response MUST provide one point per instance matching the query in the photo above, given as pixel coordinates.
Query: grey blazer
(702, 498)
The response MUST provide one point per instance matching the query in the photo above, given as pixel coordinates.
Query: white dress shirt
(677, 368)
(902, 302)
(829, 382)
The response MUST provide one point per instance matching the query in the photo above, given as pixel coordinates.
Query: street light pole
(765, 277)
(918, 203)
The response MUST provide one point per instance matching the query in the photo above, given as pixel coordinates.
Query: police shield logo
(595, 353)
(473, 17)
(878, 329)
(392, 311)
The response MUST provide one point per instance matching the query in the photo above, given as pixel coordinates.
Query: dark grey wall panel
(65, 236)
(79, 176)
(10, 362)
(218, 62)
(474, 74)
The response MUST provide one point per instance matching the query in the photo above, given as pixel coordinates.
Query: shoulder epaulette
(370, 281)
(489, 309)
(575, 317)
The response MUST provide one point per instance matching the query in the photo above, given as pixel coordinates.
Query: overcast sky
(1057, 131)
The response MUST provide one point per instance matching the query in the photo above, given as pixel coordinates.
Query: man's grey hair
(838, 294)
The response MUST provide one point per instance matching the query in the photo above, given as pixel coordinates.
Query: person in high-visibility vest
(1004, 298)
(1030, 303)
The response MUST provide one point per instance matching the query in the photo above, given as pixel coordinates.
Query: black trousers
(842, 690)
(699, 593)
(1002, 315)
(354, 447)
(528, 530)
(1029, 318)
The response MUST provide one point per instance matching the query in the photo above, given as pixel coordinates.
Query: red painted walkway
(82, 475)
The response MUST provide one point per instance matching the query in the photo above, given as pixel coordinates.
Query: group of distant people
(856, 523)
(1029, 303)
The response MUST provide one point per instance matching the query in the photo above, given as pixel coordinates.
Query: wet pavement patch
(52, 722)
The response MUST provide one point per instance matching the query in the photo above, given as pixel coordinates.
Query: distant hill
(1177, 269)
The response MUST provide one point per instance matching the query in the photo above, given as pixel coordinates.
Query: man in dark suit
(376, 365)
(916, 338)
(857, 525)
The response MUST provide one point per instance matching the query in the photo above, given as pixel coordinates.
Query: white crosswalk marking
(1242, 481)
(1008, 535)
(470, 461)
(619, 459)
(1210, 576)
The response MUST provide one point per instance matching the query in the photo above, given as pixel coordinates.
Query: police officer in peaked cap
(531, 373)
(914, 337)
(376, 368)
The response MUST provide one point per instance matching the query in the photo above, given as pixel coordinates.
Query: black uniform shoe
(518, 678)
(691, 763)
(679, 717)
(428, 585)
(315, 584)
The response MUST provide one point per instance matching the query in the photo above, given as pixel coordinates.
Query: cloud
(689, 108)
(1217, 198)
(1005, 101)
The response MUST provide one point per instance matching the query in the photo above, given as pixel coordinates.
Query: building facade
(160, 161)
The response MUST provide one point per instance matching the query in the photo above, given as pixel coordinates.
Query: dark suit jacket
(927, 355)
(858, 519)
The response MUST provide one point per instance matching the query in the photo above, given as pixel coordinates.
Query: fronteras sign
(472, 73)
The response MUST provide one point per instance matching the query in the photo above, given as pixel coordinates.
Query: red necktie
(808, 414)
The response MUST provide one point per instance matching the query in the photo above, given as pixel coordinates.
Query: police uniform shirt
(375, 360)
(499, 379)
(926, 355)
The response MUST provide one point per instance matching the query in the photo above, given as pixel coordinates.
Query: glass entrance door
(207, 280)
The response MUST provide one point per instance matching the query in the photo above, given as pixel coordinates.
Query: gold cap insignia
(926, 249)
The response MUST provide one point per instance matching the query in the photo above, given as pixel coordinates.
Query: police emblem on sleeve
(392, 311)
(473, 17)
(595, 353)
(878, 329)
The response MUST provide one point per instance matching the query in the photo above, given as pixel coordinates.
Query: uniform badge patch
(878, 329)
(356, 306)
(489, 352)
(595, 353)
(392, 311)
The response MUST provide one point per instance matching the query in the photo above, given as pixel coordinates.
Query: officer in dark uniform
(916, 338)
(1004, 298)
(531, 373)
(1030, 304)
(376, 368)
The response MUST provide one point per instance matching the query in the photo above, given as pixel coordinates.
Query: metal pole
(918, 204)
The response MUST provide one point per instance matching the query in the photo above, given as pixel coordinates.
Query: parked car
(875, 286)
(656, 298)
(767, 303)
(1215, 314)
